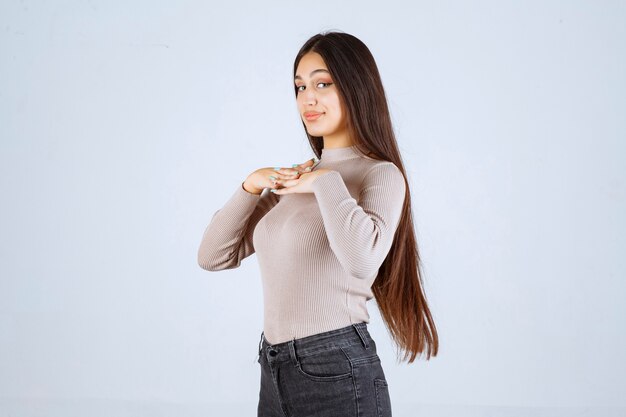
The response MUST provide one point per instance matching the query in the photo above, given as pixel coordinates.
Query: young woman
(329, 236)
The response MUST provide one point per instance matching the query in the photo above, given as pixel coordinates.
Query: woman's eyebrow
(297, 77)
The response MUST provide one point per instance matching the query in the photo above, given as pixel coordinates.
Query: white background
(125, 125)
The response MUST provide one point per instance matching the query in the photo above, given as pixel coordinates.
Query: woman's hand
(301, 184)
(276, 176)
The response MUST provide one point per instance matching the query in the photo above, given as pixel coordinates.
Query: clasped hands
(297, 179)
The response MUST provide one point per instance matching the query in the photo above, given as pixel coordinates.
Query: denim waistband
(342, 337)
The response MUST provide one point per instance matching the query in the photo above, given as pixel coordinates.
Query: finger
(277, 189)
(277, 176)
(309, 162)
(279, 179)
(286, 172)
(305, 166)
(296, 169)
(280, 191)
(279, 172)
(307, 169)
(274, 178)
(289, 182)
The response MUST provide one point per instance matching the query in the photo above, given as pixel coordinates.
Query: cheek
(338, 112)
(332, 105)
(337, 108)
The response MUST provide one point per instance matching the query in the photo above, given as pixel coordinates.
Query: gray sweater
(319, 252)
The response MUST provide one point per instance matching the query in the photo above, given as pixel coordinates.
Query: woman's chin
(316, 132)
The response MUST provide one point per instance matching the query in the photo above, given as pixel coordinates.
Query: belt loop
(258, 356)
(357, 327)
(292, 351)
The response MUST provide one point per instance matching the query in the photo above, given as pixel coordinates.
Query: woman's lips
(313, 116)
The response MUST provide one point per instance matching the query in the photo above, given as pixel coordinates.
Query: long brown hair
(398, 287)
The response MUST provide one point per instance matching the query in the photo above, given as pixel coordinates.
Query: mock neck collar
(338, 154)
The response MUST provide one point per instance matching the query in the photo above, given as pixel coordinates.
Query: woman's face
(317, 94)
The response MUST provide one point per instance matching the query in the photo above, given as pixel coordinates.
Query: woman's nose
(309, 97)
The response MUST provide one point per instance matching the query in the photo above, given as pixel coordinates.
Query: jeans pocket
(383, 402)
(326, 365)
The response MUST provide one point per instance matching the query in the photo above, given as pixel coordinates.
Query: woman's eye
(298, 87)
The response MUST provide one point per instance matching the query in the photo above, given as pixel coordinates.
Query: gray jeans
(334, 373)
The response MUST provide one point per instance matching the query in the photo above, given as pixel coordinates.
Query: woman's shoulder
(371, 160)
(381, 166)
(380, 171)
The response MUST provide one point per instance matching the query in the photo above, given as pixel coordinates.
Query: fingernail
(273, 190)
(276, 168)
(307, 169)
(272, 177)
(294, 165)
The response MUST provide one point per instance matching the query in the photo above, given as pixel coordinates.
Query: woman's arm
(227, 240)
(361, 233)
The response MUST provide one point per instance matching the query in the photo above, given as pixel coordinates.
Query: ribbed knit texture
(319, 252)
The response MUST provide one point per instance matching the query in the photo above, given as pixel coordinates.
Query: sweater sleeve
(227, 240)
(361, 232)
